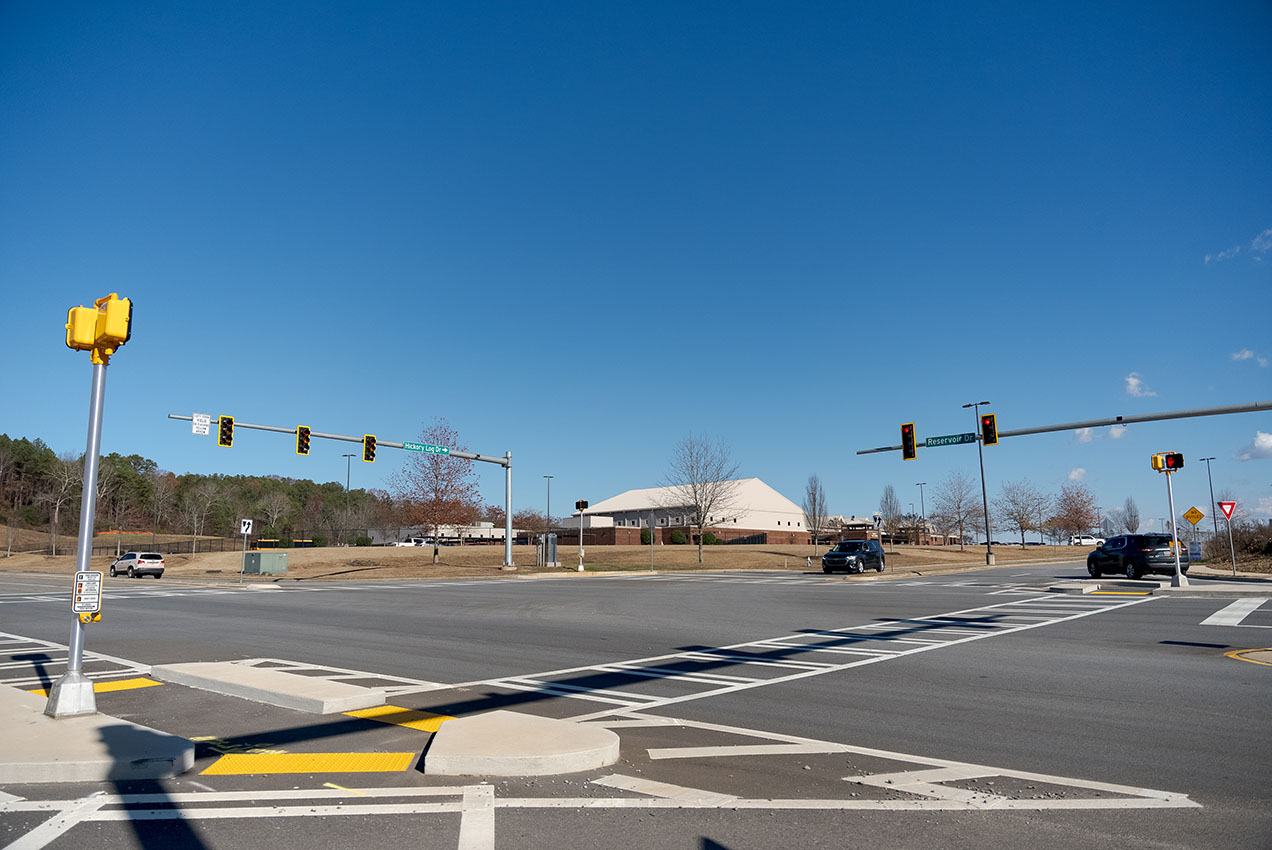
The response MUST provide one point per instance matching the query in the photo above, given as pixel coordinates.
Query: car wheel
(158, 576)
(132, 573)
(1132, 572)
(1093, 569)
(879, 568)
(112, 571)
(826, 570)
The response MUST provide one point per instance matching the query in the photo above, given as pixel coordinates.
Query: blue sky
(581, 231)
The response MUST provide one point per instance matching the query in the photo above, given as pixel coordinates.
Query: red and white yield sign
(1227, 508)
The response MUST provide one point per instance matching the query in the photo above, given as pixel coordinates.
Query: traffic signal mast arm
(1251, 407)
(347, 438)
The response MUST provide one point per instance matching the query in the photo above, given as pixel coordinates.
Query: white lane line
(53, 828)
(665, 790)
(734, 750)
(1234, 613)
(477, 818)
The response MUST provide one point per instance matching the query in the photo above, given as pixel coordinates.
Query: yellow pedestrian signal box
(101, 328)
(909, 450)
(302, 440)
(225, 431)
(580, 505)
(989, 429)
(1168, 461)
(368, 448)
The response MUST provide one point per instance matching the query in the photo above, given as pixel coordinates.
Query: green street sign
(950, 440)
(426, 448)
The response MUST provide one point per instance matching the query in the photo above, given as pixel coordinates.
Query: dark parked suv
(1133, 555)
(853, 556)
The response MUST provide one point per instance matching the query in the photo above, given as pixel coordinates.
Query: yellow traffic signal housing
(368, 448)
(909, 450)
(114, 325)
(989, 429)
(1158, 461)
(1167, 461)
(81, 328)
(225, 431)
(302, 440)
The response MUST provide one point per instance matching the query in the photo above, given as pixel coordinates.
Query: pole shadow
(153, 815)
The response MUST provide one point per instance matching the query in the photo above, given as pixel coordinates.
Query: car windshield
(1152, 540)
(850, 546)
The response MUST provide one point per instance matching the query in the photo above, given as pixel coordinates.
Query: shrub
(678, 538)
(710, 539)
(362, 541)
(319, 542)
(646, 537)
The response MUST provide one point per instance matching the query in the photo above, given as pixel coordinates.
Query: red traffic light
(909, 449)
(989, 429)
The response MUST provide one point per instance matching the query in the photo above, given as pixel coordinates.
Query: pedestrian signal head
(1168, 461)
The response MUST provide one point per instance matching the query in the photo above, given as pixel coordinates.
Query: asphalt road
(756, 710)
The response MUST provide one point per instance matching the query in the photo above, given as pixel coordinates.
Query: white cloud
(1084, 435)
(1116, 432)
(1087, 435)
(1264, 508)
(1135, 386)
(1247, 354)
(1263, 242)
(1224, 255)
(1077, 474)
(1260, 448)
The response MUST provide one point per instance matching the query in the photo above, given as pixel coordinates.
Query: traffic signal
(581, 505)
(368, 448)
(989, 429)
(101, 328)
(302, 440)
(1168, 461)
(81, 328)
(225, 431)
(908, 449)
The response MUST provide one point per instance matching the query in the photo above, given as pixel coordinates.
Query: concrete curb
(273, 687)
(507, 743)
(36, 748)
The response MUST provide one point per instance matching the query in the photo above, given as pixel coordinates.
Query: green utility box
(266, 564)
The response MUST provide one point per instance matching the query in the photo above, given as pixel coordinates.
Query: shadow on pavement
(154, 817)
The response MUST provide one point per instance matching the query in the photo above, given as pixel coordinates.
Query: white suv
(1085, 540)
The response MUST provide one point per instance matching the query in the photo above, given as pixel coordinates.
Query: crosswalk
(30, 663)
(698, 673)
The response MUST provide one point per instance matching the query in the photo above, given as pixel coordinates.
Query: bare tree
(163, 495)
(275, 507)
(1017, 507)
(196, 506)
(63, 483)
(702, 481)
(814, 509)
(1130, 516)
(956, 504)
(890, 508)
(437, 489)
(1076, 509)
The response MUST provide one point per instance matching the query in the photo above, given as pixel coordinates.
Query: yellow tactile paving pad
(408, 717)
(237, 764)
(107, 687)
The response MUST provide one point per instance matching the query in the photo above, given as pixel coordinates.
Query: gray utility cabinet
(266, 564)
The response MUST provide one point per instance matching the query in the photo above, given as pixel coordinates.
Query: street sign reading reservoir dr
(426, 448)
(950, 440)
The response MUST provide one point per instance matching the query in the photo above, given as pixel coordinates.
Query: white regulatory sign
(88, 593)
(202, 424)
(245, 526)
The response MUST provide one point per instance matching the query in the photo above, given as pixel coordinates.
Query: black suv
(853, 556)
(1133, 555)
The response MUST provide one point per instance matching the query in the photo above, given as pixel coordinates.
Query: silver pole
(1231, 548)
(72, 694)
(1179, 579)
(1213, 518)
(980, 448)
(507, 509)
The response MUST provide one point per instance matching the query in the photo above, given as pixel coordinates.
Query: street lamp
(916, 535)
(980, 448)
(346, 522)
(922, 509)
(1213, 518)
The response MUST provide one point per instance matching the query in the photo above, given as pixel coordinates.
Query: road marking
(342, 788)
(108, 687)
(477, 818)
(667, 791)
(1234, 613)
(59, 824)
(1240, 655)
(243, 764)
(422, 721)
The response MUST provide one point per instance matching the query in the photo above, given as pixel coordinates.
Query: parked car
(138, 564)
(416, 541)
(1134, 555)
(854, 556)
(1085, 540)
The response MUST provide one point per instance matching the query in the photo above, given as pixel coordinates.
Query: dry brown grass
(361, 563)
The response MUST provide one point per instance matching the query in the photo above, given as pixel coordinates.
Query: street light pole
(348, 463)
(922, 509)
(980, 448)
(548, 518)
(1213, 518)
